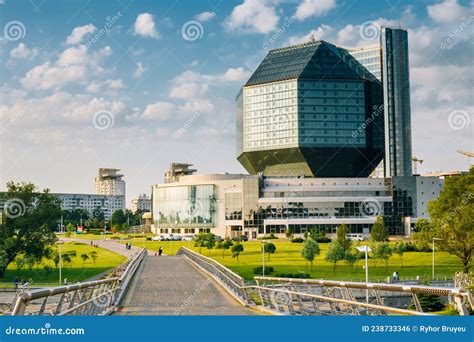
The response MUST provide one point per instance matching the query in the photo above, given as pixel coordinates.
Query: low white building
(141, 203)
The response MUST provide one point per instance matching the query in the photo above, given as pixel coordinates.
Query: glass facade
(270, 116)
(329, 112)
(190, 205)
(308, 110)
(396, 87)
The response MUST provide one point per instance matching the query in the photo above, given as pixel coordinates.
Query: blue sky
(139, 84)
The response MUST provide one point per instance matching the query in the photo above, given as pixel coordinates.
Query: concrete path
(171, 285)
(110, 245)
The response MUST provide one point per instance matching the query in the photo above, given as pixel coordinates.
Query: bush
(429, 303)
(297, 240)
(258, 270)
(268, 237)
(301, 275)
(423, 246)
(323, 239)
(148, 238)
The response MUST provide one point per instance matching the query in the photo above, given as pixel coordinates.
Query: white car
(188, 237)
(156, 238)
(355, 237)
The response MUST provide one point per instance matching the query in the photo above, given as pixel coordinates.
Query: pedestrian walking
(15, 282)
(160, 251)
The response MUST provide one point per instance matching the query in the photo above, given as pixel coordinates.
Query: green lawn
(287, 259)
(75, 272)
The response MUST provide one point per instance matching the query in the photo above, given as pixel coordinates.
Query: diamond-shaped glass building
(310, 110)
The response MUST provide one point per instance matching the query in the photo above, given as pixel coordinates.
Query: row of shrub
(321, 239)
(269, 270)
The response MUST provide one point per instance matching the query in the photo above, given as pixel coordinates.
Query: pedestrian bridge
(192, 284)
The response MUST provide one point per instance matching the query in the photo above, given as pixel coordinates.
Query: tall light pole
(433, 258)
(366, 249)
(60, 261)
(263, 258)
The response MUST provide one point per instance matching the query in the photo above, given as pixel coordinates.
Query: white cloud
(158, 111)
(22, 52)
(205, 16)
(253, 16)
(106, 87)
(320, 33)
(74, 65)
(79, 33)
(447, 11)
(145, 26)
(236, 74)
(140, 70)
(314, 8)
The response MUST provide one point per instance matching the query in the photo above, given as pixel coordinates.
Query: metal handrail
(113, 288)
(418, 289)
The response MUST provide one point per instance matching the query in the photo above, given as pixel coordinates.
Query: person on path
(160, 251)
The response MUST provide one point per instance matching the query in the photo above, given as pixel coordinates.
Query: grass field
(76, 271)
(287, 259)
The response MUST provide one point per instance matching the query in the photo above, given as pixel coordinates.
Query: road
(171, 285)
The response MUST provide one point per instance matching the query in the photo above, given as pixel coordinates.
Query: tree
(451, 219)
(310, 250)
(269, 248)
(350, 258)
(20, 262)
(93, 256)
(30, 262)
(400, 248)
(383, 251)
(200, 241)
(70, 228)
(379, 232)
(334, 254)
(236, 250)
(84, 258)
(29, 223)
(210, 241)
(55, 258)
(341, 237)
(226, 244)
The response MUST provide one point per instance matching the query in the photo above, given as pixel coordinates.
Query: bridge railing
(98, 297)
(370, 292)
(230, 279)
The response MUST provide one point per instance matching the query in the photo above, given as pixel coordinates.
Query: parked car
(218, 238)
(240, 238)
(188, 237)
(355, 237)
(156, 238)
(176, 237)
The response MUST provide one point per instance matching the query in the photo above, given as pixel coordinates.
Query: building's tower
(396, 89)
(109, 182)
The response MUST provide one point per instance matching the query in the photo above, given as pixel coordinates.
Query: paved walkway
(110, 245)
(171, 285)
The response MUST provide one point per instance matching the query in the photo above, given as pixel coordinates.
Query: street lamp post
(433, 258)
(263, 258)
(366, 249)
(60, 261)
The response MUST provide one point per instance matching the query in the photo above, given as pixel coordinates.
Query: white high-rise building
(142, 203)
(109, 182)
